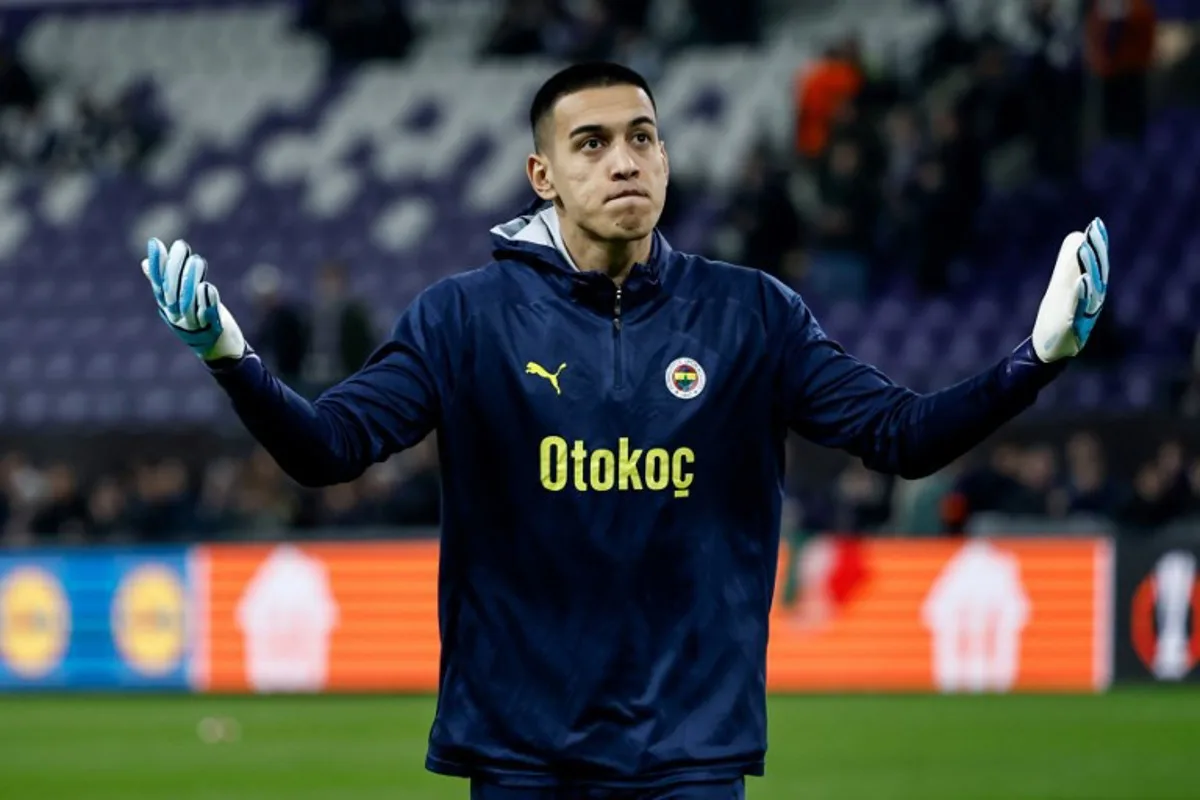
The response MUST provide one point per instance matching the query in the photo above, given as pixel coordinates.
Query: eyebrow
(594, 128)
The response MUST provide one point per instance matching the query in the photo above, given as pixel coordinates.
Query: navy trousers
(702, 791)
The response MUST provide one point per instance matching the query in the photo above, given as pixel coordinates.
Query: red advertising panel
(895, 614)
(342, 617)
(882, 614)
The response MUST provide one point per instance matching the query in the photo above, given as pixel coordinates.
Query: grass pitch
(1135, 744)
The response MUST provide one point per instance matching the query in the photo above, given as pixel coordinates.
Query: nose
(623, 166)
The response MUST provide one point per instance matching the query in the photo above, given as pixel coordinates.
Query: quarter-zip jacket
(612, 461)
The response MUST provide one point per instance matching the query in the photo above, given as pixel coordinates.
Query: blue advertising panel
(99, 619)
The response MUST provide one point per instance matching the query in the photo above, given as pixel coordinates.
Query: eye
(587, 143)
(641, 137)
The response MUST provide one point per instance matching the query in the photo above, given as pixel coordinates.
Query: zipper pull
(617, 310)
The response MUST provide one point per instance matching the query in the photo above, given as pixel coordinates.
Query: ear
(541, 177)
(662, 149)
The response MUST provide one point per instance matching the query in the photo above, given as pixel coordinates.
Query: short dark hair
(576, 78)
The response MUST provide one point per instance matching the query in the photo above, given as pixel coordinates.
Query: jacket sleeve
(390, 404)
(833, 399)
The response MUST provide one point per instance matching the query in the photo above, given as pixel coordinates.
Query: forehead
(606, 106)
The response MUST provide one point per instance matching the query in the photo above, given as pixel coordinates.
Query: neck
(613, 257)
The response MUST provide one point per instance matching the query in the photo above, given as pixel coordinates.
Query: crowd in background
(623, 30)
(881, 162)
(896, 163)
(1035, 481)
(224, 499)
(309, 346)
(232, 498)
(86, 133)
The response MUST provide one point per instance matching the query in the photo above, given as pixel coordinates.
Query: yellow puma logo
(534, 368)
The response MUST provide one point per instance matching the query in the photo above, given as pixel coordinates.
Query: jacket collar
(535, 238)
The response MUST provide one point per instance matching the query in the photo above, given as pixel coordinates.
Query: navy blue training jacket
(612, 463)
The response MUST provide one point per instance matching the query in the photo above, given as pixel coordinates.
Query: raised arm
(392, 403)
(834, 399)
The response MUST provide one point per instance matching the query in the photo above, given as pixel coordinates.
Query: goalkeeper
(611, 416)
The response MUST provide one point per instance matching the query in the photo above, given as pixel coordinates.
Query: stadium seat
(401, 170)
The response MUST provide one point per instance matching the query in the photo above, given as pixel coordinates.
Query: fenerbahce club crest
(685, 378)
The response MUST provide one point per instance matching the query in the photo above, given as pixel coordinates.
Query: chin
(632, 227)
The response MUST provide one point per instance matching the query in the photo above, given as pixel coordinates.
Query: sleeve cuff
(225, 366)
(1024, 370)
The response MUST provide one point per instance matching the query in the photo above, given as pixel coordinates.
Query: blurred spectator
(161, 510)
(415, 496)
(24, 487)
(1170, 461)
(111, 137)
(1178, 57)
(821, 88)
(844, 224)
(1038, 485)
(945, 195)
(360, 30)
(341, 333)
(854, 121)
(1054, 109)
(904, 138)
(949, 49)
(281, 337)
(521, 28)
(107, 511)
(216, 515)
(1018, 481)
(340, 506)
(923, 507)
(583, 33)
(993, 108)
(768, 232)
(61, 512)
(928, 212)
(990, 486)
(1087, 485)
(1119, 46)
(1149, 506)
(961, 154)
(84, 134)
(629, 14)
(30, 140)
(18, 90)
(1188, 389)
(720, 22)
(863, 499)
(264, 502)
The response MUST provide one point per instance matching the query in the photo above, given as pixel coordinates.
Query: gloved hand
(189, 304)
(1073, 301)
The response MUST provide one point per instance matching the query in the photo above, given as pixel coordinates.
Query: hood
(534, 237)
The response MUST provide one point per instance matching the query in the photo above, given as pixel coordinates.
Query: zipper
(617, 339)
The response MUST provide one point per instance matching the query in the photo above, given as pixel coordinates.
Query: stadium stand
(276, 160)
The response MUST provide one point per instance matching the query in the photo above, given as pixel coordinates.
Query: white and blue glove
(189, 304)
(1073, 302)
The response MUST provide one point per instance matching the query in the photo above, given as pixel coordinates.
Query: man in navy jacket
(611, 417)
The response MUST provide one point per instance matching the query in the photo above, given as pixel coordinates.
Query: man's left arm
(835, 400)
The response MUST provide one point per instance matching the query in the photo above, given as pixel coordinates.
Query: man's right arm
(393, 402)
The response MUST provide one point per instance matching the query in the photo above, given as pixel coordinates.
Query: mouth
(628, 193)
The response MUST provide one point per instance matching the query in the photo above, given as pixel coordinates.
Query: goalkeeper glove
(1076, 294)
(189, 304)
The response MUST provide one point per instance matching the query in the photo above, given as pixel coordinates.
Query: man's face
(603, 163)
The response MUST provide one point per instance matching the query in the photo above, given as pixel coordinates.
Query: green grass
(1142, 745)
